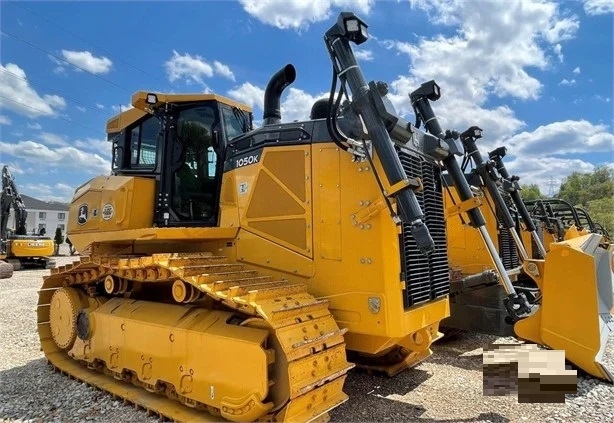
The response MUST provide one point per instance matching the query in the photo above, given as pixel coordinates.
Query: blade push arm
(516, 304)
(351, 28)
(510, 184)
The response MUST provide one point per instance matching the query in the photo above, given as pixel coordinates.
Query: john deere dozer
(570, 279)
(239, 273)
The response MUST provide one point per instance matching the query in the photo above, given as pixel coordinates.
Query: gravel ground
(447, 387)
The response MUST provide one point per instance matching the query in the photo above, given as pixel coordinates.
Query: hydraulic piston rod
(516, 304)
(337, 38)
(489, 178)
(511, 185)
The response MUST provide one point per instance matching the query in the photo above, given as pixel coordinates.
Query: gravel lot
(447, 387)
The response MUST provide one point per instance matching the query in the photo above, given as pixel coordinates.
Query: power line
(64, 60)
(87, 42)
(98, 131)
(14, 75)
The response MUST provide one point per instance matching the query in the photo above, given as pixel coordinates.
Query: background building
(43, 214)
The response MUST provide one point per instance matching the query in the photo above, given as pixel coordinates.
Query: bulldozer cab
(179, 140)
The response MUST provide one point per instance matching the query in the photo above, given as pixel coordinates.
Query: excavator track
(303, 330)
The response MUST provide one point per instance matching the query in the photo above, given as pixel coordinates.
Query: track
(309, 346)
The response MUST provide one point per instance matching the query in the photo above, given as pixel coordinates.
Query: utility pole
(551, 184)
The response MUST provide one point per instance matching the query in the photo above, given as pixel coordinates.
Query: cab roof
(140, 106)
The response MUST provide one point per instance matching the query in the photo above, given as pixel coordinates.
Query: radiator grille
(426, 278)
(507, 248)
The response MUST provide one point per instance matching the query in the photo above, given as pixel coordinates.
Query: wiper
(240, 114)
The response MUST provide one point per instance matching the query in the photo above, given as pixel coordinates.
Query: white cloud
(64, 157)
(565, 137)
(22, 98)
(558, 51)
(249, 94)
(566, 81)
(57, 192)
(194, 68)
(36, 126)
(598, 7)
(100, 106)
(5, 120)
(299, 14)
(86, 60)
(365, 55)
(540, 170)
(53, 139)
(295, 103)
(81, 108)
(95, 145)
(577, 70)
(223, 70)
(480, 62)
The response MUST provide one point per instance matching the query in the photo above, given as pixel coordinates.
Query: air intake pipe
(277, 84)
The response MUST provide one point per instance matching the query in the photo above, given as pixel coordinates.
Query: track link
(307, 334)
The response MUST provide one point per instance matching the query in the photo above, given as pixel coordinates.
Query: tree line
(593, 191)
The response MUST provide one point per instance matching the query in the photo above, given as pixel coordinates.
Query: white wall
(51, 219)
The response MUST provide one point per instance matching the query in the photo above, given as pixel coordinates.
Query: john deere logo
(82, 215)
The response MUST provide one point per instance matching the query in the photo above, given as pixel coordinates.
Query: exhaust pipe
(277, 84)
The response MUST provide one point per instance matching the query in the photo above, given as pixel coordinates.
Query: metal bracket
(463, 207)
(369, 212)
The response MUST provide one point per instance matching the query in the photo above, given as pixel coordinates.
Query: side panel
(274, 196)
(108, 204)
(466, 249)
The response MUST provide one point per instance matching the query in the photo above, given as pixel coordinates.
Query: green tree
(580, 188)
(593, 191)
(602, 211)
(530, 192)
(59, 239)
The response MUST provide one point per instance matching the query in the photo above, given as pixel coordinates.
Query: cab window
(233, 124)
(143, 143)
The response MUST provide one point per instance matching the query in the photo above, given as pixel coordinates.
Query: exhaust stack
(277, 84)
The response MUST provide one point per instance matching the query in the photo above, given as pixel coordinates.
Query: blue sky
(536, 76)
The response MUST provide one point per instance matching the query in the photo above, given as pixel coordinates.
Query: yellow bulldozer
(549, 253)
(17, 247)
(238, 273)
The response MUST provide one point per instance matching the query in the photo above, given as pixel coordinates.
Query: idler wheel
(63, 310)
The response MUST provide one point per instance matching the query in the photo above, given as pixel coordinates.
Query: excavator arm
(19, 248)
(11, 197)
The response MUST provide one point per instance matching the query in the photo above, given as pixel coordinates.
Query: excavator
(238, 273)
(17, 247)
(541, 264)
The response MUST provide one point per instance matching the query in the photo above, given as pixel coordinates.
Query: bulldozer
(565, 264)
(561, 220)
(17, 247)
(239, 273)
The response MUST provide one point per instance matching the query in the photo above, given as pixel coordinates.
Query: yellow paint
(466, 249)
(568, 318)
(31, 248)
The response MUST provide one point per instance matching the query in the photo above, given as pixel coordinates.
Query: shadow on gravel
(365, 407)
(368, 402)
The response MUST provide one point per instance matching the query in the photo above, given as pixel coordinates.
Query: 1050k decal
(247, 160)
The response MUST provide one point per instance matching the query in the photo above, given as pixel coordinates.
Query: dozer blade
(575, 312)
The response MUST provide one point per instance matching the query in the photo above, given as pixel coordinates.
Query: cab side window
(143, 143)
(232, 124)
